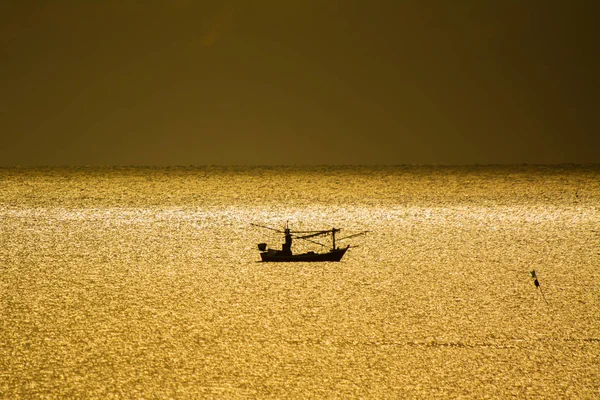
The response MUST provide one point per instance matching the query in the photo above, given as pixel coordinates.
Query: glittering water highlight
(142, 282)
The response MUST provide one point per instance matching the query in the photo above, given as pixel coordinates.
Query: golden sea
(145, 283)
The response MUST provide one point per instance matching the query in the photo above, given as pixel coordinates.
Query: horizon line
(293, 165)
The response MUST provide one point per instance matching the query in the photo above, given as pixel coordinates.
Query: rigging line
(310, 231)
(319, 233)
(312, 241)
(351, 236)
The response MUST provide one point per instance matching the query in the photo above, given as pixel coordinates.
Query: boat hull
(333, 255)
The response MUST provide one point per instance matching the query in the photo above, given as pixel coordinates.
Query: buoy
(536, 282)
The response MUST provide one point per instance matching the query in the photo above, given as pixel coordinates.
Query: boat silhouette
(286, 255)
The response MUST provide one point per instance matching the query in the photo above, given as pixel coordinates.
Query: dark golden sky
(175, 82)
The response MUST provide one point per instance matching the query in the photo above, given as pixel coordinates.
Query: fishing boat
(286, 255)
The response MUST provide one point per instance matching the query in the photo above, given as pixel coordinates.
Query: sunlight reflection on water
(145, 283)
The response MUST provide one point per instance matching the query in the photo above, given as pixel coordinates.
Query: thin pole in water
(537, 284)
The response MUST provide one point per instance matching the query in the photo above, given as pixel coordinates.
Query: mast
(333, 237)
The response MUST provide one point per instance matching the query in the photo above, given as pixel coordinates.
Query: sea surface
(145, 283)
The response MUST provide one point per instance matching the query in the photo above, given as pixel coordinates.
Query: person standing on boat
(286, 248)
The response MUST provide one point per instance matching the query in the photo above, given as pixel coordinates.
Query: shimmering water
(144, 283)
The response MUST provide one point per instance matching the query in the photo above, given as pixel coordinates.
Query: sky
(299, 82)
